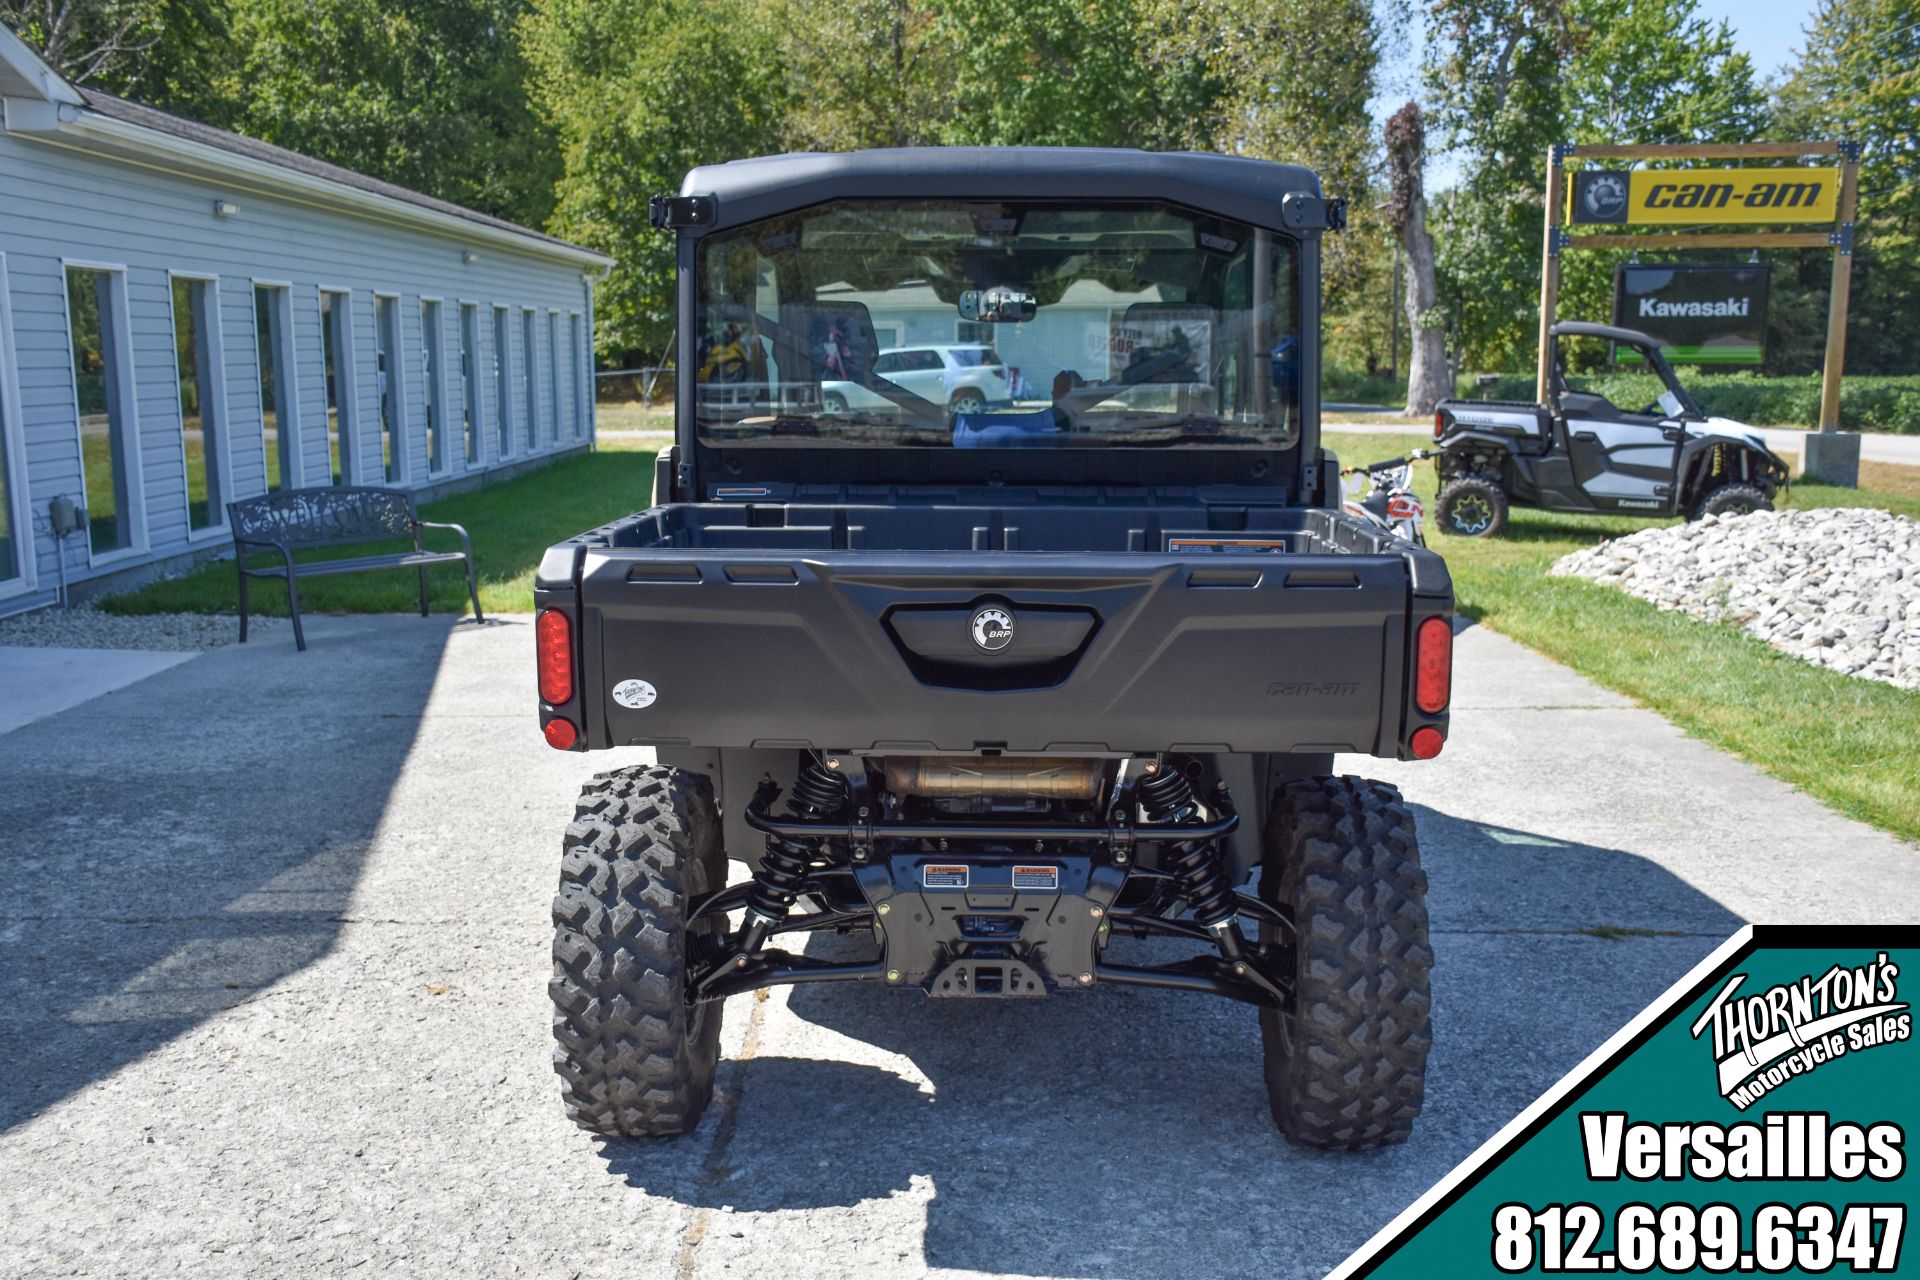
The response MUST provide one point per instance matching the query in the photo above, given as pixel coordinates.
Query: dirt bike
(1390, 502)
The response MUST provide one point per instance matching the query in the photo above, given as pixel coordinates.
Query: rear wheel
(634, 1058)
(968, 401)
(1734, 498)
(833, 402)
(1346, 1066)
(1471, 506)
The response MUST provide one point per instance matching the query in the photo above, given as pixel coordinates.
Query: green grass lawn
(511, 524)
(1848, 741)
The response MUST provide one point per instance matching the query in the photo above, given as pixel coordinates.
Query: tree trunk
(1427, 380)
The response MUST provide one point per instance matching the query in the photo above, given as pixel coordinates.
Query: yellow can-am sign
(1703, 196)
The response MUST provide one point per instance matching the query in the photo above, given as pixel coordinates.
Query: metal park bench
(297, 519)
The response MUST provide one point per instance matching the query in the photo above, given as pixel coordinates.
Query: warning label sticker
(1036, 877)
(938, 876)
(1228, 546)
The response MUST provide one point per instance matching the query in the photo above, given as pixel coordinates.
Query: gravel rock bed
(85, 628)
(1837, 587)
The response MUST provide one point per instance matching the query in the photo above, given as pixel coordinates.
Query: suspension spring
(1167, 796)
(819, 793)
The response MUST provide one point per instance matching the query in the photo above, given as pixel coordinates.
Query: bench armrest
(241, 544)
(465, 542)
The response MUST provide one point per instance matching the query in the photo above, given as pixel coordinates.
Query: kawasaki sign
(1702, 313)
(1619, 197)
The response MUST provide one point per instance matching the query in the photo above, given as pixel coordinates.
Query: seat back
(840, 342)
(1163, 342)
(324, 516)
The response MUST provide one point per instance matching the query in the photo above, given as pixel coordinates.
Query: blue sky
(1769, 31)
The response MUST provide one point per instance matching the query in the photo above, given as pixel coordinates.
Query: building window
(530, 380)
(270, 314)
(93, 330)
(336, 319)
(553, 376)
(582, 381)
(503, 379)
(469, 385)
(11, 563)
(432, 345)
(200, 427)
(386, 346)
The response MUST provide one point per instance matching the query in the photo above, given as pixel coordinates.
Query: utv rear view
(1005, 691)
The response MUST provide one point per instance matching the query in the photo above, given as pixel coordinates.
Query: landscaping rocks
(85, 628)
(1838, 587)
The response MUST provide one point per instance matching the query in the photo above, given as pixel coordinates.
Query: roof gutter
(84, 130)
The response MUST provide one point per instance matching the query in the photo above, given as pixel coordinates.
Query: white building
(189, 317)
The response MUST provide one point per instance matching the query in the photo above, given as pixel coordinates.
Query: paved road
(273, 953)
(1874, 446)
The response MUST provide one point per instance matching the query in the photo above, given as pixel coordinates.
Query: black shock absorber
(1166, 796)
(818, 793)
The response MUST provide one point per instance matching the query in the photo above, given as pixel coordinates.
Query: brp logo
(992, 628)
(1601, 196)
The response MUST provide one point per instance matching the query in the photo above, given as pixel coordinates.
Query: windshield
(998, 325)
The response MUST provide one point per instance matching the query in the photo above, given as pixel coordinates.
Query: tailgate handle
(1323, 578)
(768, 574)
(1224, 578)
(663, 571)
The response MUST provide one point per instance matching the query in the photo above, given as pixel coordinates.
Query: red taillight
(553, 645)
(560, 734)
(1433, 665)
(1439, 422)
(1427, 742)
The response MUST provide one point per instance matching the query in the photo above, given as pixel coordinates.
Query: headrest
(1162, 342)
(841, 343)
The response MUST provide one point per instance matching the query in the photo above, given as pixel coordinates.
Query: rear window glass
(970, 356)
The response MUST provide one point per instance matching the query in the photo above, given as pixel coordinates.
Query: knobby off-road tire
(1733, 499)
(1471, 506)
(635, 1060)
(1346, 1067)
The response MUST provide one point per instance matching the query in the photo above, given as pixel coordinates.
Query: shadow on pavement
(1126, 1133)
(169, 850)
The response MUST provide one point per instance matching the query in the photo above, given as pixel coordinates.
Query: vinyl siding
(57, 203)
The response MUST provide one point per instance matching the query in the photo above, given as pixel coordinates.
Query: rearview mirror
(1000, 304)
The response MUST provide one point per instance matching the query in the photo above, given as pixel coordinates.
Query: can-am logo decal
(992, 628)
(1683, 196)
(1761, 1041)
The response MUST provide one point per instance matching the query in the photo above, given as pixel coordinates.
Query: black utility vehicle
(1581, 452)
(996, 692)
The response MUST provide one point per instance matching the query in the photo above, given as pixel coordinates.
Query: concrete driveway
(273, 949)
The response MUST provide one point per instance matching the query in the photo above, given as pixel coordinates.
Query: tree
(85, 39)
(638, 92)
(1496, 66)
(1428, 382)
(429, 94)
(1288, 80)
(1514, 77)
(1858, 78)
(1068, 73)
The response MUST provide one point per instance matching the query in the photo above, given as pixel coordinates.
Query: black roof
(1586, 329)
(1234, 187)
(251, 148)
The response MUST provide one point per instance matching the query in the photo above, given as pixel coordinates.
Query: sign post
(1695, 197)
